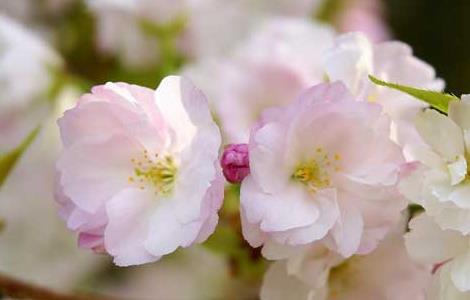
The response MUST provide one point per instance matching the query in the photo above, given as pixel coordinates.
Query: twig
(21, 290)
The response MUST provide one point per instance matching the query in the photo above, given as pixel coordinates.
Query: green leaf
(8, 160)
(437, 100)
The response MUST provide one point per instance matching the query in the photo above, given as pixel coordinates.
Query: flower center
(315, 173)
(159, 173)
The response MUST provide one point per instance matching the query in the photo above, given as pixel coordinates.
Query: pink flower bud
(235, 163)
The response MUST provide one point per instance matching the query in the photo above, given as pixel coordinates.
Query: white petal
(457, 170)
(348, 230)
(267, 151)
(185, 109)
(460, 272)
(329, 213)
(441, 133)
(461, 195)
(166, 233)
(350, 61)
(275, 251)
(459, 112)
(251, 232)
(427, 243)
(127, 227)
(443, 287)
(290, 209)
(412, 185)
(92, 173)
(278, 285)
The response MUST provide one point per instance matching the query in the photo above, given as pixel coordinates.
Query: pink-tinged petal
(94, 242)
(188, 195)
(184, 108)
(348, 230)
(292, 208)
(329, 213)
(92, 173)
(97, 117)
(251, 232)
(166, 233)
(128, 227)
(249, 88)
(212, 202)
(394, 62)
(266, 157)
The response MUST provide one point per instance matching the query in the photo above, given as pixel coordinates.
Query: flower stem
(21, 290)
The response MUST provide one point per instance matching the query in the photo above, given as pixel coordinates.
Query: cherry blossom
(322, 169)
(448, 251)
(138, 175)
(353, 57)
(441, 184)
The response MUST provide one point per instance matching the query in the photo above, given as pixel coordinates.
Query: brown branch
(22, 290)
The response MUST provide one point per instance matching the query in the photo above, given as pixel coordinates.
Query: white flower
(26, 63)
(448, 251)
(441, 184)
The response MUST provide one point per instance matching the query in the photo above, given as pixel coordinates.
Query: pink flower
(324, 169)
(353, 57)
(271, 68)
(235, 163)
(138, 175)
(366, 16)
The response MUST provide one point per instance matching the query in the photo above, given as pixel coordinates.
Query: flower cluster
(441, 185)
(327, 163)
(321, 162)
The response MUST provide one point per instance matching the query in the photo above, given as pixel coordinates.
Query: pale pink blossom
(366, 16)
(385, 274)
(138, 175)
(353, 57)
(322, 170)
(282, 57)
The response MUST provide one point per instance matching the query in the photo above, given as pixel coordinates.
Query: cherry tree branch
(18, 289)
